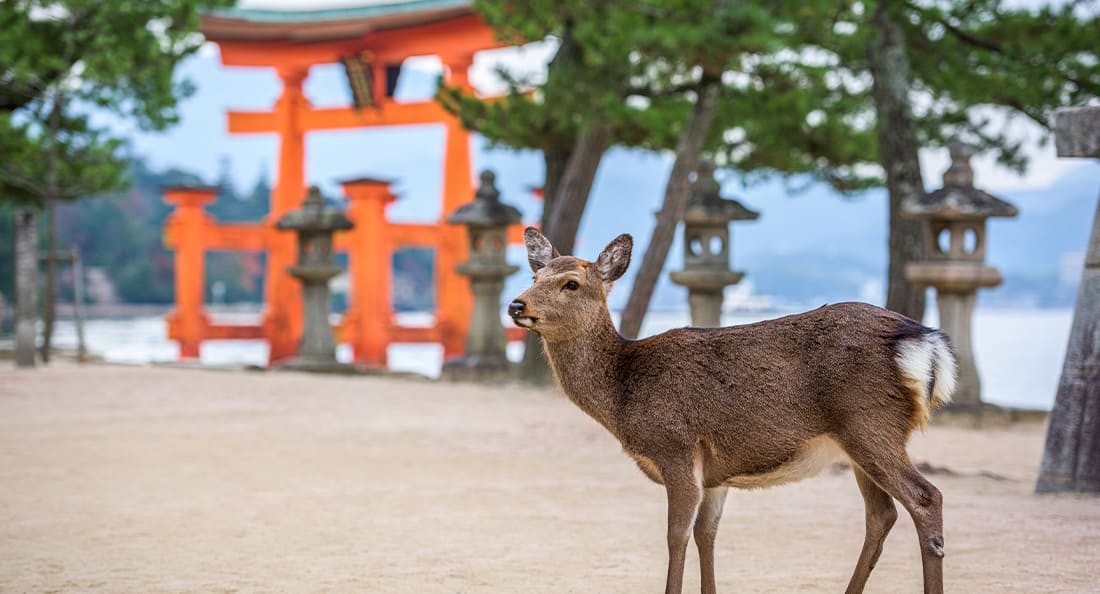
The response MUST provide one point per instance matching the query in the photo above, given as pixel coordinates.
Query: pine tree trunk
(688, 147)
(569, 177)
(572, 193)
(26, 285)
(534, 368)
(1071, 456)
(898, 155)
(561, 218)
(51, 198)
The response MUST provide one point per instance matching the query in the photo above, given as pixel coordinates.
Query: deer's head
(569, 294)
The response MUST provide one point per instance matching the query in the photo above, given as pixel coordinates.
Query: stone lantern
(706, 271)
(955, 259)
(315, 224)
(487, 220)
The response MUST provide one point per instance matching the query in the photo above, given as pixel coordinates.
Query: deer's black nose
(515, 308)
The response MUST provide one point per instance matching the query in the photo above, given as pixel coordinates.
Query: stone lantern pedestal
(487, 220)
(315, 224)
(955, 263)
(706, 271)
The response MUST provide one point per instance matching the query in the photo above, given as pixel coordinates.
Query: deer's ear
(539, 250)
(615, 258)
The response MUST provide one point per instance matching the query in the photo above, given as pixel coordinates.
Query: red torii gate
(380, 35)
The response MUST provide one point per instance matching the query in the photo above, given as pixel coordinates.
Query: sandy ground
(116, 479)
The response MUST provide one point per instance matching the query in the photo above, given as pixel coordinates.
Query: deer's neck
(586, 368)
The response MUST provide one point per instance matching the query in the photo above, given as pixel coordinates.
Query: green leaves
(987, 61)
(796, 93)
(638, 65)
(84, 160)
(59, 59)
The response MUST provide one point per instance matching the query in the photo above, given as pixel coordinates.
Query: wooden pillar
(370, 265)
(454, 302)
(185, 232)
(282, 321)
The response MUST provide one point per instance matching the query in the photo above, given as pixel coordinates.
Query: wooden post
(454, 302)
(1071, 458)
(282, 320)
(78, 303)
(72, 257)
(370, 263)
(185, 232)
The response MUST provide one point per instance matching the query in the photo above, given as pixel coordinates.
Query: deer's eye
(571, 285)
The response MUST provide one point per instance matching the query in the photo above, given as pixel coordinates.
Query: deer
(704, 409)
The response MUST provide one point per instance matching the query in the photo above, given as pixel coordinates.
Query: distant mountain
(1042, 251)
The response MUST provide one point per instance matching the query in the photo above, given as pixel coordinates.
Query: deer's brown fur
(700, 409)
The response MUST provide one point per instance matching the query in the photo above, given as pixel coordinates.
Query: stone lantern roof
(315, 215)
(486, 210)
(958, 199)
(188, 187)
(366, 179)
(705, 204)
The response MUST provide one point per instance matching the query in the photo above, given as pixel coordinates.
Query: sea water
(1019, 352)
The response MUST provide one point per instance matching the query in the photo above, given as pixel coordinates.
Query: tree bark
(569, 177)
(51, 198)
(1071, 456)
(26, 285)
(898, 155)
(571, 196)
(561, 217)
(534, 369)
(688, 147)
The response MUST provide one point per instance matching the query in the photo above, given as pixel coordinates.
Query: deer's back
(762, 389)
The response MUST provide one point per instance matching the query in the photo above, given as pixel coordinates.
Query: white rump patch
(926, 362)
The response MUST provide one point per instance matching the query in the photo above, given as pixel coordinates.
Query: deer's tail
(927, 367)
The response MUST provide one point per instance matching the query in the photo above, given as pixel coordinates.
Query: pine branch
(962, 35)
(971, 39)
(671, 91)
(24, 183)
(1019, 106)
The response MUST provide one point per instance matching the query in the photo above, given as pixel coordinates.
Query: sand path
(124, 479)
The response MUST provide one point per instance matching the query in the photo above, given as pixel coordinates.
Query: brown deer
(704, 409)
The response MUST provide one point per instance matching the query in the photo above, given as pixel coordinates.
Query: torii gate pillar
(454, 303)
(282, 320)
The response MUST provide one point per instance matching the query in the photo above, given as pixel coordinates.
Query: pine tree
(943, 72)
(841, 93)
(56, 59)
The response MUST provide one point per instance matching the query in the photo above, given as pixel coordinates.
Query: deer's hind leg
(887, 464)
(706, 530)
(881, 515)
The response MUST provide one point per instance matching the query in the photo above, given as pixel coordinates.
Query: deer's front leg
(706, 529)
(685, 492)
